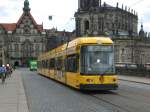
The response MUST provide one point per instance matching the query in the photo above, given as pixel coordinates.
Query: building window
(86, 26)
(27, 49)
(34, 31)
(16, 47)
(10, 47)
(37, 47)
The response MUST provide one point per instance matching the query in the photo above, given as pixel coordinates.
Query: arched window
(27, 48)
(86, 26)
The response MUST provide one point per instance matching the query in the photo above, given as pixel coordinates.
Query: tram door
(59, 69)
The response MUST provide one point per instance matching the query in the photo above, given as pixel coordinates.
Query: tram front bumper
(98, 86)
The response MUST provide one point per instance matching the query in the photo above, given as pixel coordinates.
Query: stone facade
(56, 38)
(3, 39)
(96, 19)
(135, 51)
(25, 40)
(92, 18)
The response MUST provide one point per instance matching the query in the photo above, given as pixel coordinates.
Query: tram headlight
(89, 80)
(114, 79)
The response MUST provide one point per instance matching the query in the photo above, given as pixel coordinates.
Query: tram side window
(39, 64)
(52, 63)
(42, 64)
(72, 63)
(59, 64)
(46, 62)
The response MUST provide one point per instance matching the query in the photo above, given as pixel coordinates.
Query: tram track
(125, 99)
(119, 103)
(102, 97)
(146, 96)
(129, 97)
(135, 90)
(118, 108)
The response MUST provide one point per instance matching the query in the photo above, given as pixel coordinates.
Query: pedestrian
(9, 71)
(3, 73)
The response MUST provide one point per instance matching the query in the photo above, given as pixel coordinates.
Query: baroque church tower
(95, 18)
(84, 17)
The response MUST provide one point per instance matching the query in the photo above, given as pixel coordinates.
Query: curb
(135, 81)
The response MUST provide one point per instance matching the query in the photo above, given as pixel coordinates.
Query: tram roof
(85, 40)
(90, 40)
(79, 41)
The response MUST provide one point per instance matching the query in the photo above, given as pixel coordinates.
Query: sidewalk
(12, 95)
(142, 80)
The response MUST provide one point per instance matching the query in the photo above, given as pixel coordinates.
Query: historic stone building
(121, 24)
(94, 18)
(136, 50)
(56, 38)
(3, 49)
(23, 40)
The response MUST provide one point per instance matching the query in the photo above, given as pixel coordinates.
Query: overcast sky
(63, 11)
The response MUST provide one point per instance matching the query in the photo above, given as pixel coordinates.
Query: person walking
(3, 74)
(8, 70)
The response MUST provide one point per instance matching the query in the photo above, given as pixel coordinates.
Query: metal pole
(3, 56)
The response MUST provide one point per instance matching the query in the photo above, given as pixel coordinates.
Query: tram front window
(97, 60)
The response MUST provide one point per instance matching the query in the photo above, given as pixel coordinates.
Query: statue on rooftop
(26, 6)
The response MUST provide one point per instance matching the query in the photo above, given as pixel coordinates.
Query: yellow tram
(85, 63)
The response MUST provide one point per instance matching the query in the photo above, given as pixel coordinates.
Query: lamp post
(3, 56)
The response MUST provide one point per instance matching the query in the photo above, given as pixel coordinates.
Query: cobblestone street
(46, 95)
